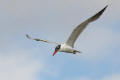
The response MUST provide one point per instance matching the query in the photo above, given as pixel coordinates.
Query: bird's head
(56, 49)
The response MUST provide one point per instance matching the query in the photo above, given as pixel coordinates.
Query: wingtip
(28, 36)
(106, 6)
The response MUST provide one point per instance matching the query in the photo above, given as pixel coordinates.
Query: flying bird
(68, 46)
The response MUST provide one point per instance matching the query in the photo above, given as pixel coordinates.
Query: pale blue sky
(23, 59)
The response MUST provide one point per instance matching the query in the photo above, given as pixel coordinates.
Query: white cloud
(18, 66)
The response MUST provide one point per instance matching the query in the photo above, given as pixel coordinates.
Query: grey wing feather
(76, 32)
(36, 39)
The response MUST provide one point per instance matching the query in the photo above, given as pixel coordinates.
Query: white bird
(68, 46)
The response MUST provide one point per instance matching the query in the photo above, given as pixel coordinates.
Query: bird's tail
(76, 51)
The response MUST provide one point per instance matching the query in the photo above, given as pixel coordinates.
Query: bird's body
(68, 46)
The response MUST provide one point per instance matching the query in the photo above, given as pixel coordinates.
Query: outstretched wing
(76, 32)
(36, 39)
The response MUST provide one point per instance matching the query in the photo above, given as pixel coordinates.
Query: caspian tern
(68, 46)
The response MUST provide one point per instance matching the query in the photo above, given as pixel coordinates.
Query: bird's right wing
(76, 32)
(36, 39)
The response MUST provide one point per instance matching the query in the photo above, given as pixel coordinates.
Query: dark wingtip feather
(28, 36)
(96, 16)
(104, 8)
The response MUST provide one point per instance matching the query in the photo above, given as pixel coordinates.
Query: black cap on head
(57, 47)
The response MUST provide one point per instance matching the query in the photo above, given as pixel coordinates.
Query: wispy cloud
(18, 66)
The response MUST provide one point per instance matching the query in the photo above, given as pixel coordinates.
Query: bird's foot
(74, 53)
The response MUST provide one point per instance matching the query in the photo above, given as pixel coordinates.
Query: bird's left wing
(76, 32)
(36, 39)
